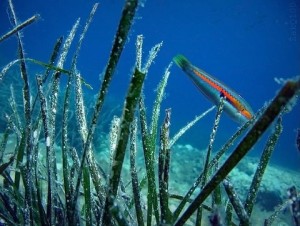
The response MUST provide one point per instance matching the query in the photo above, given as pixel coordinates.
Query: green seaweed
(134, 175)
(134, 92)
(87, 196)
(28, 126)
(163, 169)
(262, 165)
(205, 174)
(19, 27)
(236, 202)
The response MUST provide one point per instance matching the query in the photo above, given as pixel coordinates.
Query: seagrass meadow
(59, 166)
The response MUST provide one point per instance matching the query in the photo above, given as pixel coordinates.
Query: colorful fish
(234, 105)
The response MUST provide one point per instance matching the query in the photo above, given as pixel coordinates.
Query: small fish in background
(294, 204)
(298, 139)
(216, 217)
(234, 105)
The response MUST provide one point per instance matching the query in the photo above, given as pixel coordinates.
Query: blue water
(245, 44)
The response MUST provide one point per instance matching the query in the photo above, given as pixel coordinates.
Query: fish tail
(182, 62)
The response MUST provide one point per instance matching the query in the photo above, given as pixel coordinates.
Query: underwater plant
(35, 191)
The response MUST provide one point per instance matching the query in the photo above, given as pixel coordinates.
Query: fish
(234, 105)
(294, 202)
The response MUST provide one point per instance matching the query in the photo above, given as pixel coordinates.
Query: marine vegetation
(34, 190)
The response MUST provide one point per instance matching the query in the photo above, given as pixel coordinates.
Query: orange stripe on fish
(235, 106)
